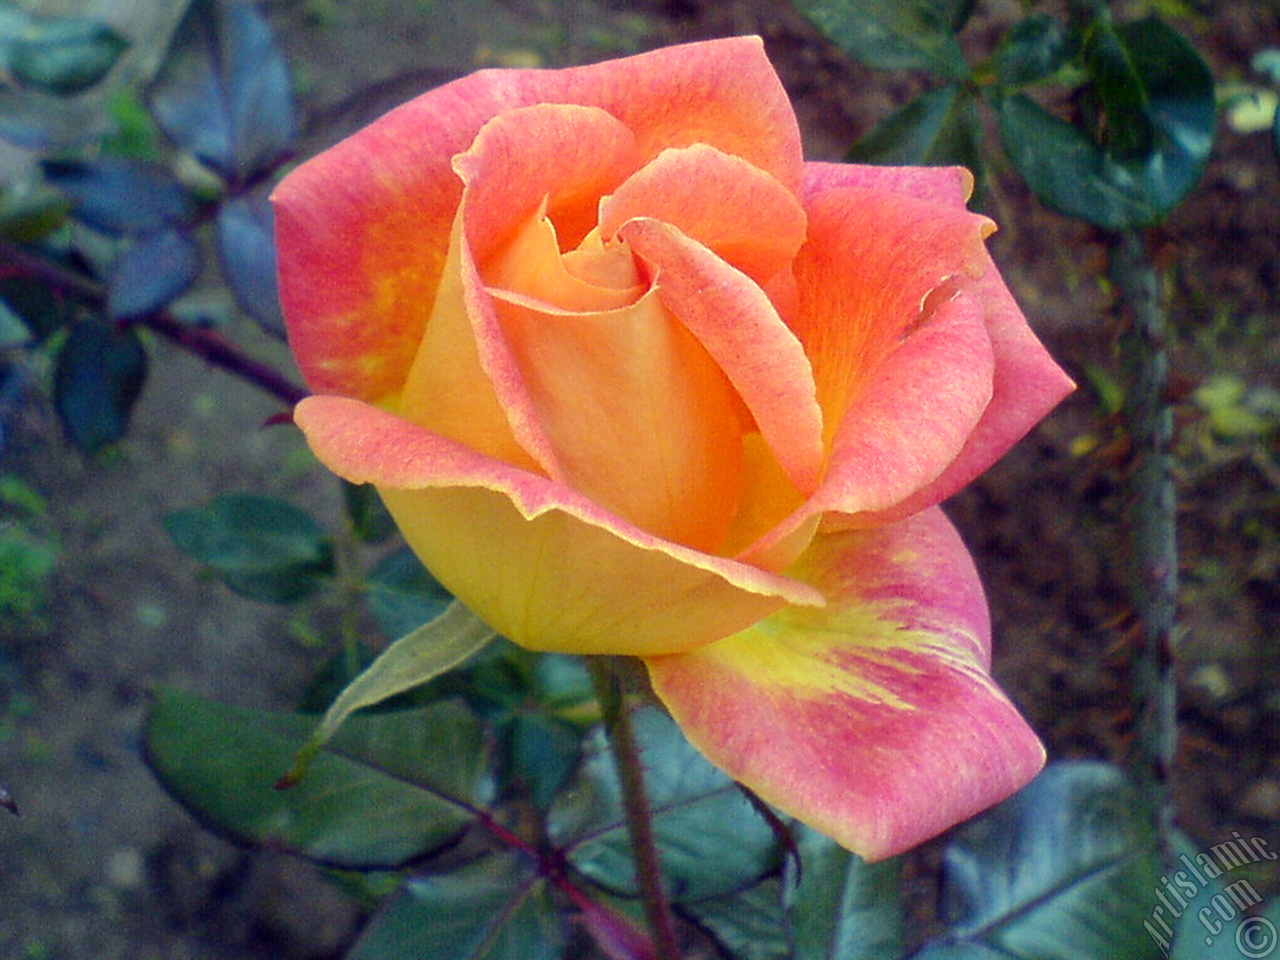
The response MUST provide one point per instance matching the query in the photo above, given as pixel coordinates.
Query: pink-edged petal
(538, 562)
(914, 414)
(1027, 385)
(640, 418)
(735, 321)
(562, 157)
(851, 319)
(363, 228)
(946, 186)
(747, 217)
(874, 719)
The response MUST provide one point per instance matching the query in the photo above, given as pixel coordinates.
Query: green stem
(1148, 421)
(644, 848)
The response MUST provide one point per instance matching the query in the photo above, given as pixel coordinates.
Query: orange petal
(464, 383)
(875, 719)
(538, 562)
(363, 229)
(864, 278)
(737, 324)
(724, 203)
(561, 156)
(640, 418)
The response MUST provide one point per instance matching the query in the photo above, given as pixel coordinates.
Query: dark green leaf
(713, 842)
(262, 548)
(402, 595)
(941, 127)
(368, 515)
(840, 906)
(224, 91)
(151, 272)
(750, 924)
(35, 304)
(99, 375)
(895, 34)
(541, 752)
(1275, 133)
(118, 195)
(498, 908)
(63, 56)
(388, 788)
(1129, 132)
(246, 246)
(1082, 177)
(1033, 50)
(27, 216)
(1062, 870)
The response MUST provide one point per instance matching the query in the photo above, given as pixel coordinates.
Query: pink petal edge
(874, 719)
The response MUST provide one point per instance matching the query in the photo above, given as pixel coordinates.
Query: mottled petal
(745, 216)
(874, 719)
(737, 324)
(540, 563)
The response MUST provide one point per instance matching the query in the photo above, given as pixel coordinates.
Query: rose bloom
(633, 378)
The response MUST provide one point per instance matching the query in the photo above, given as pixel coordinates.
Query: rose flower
(635, 379)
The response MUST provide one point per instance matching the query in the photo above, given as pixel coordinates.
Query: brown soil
(104, 865)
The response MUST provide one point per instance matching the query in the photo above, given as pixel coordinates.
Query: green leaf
(261, 548)
(749, 924)
(402, 595)
(369, 517)
(895, 34)
(389, 788)
(940, 127)
(1033, 50)
(412, 660)
(96, 382)
(713, 842)
(61, 56)
(497, 908)
(1062, 870)
(840, 907)
(1113, 181)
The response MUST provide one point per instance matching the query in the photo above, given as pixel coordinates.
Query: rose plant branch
(212, 347)
(635, 800)
(1148, 419)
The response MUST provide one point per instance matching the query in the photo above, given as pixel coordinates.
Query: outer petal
(947, 186)
(538, 562)
(1027, 385)
(874, 719)
(737, 324)
(363, 228)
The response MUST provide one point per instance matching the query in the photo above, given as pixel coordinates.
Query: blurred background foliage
(480, 814)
